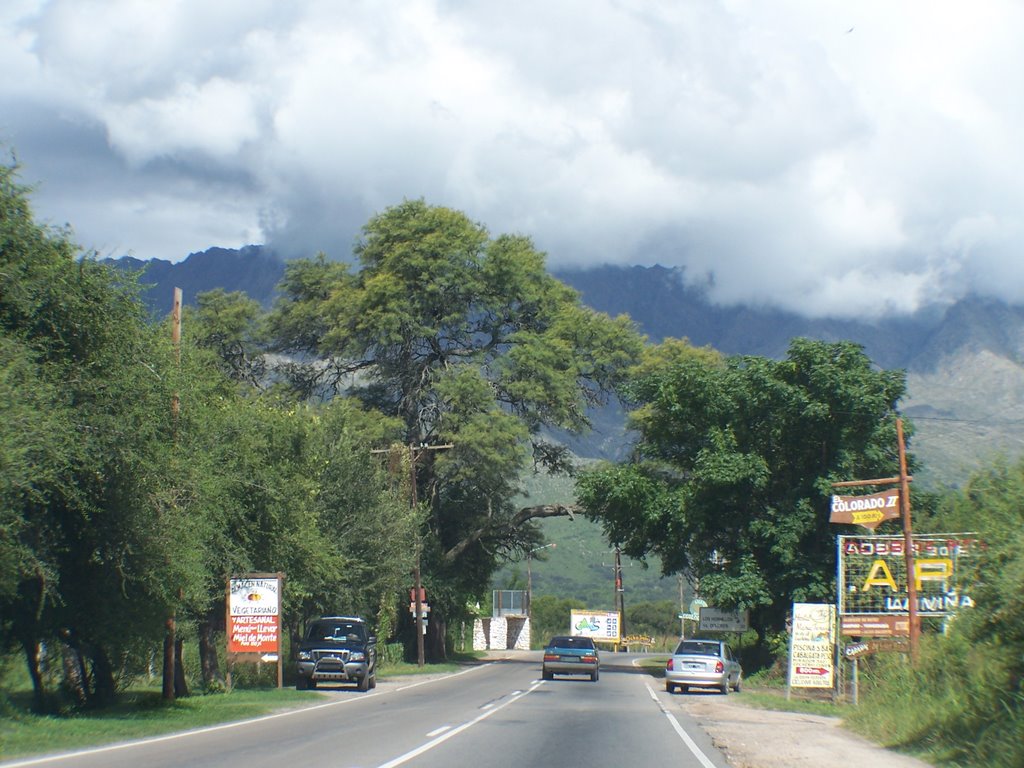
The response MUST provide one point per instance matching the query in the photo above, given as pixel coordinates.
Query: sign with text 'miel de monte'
(599, 625)
(812, 650)
(254, 615)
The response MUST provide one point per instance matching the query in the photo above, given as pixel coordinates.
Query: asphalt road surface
(496, 715)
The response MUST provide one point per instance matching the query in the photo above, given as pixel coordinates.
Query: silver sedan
(703, 664)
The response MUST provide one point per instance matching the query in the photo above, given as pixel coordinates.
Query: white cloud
(821, 156)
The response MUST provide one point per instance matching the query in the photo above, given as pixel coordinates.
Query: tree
(732, 469)
(91, 560)
(470, 343)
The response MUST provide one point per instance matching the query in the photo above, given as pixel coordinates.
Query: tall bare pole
(620, 593)
(908, 544)
(418, 585)
(170, 626)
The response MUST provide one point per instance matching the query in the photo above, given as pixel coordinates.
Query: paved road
(497, 715)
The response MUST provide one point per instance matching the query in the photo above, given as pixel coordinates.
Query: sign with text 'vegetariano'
(254, 614)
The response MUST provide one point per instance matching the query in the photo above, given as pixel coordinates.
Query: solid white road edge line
(225, 726)
(690, 743)
(455, 731)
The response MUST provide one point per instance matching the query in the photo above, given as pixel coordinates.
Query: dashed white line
(438, 731)
(454, 731)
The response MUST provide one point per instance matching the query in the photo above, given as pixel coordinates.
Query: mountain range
(964, 362)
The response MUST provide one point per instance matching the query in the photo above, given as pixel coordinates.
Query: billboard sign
(717, 620)
(872, 573)
(599, 625)
(254, 614)
(812, 649)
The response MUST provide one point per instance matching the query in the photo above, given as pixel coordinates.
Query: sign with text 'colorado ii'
(867, 511)
(873, 573)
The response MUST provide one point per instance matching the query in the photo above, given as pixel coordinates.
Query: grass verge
(140, 713)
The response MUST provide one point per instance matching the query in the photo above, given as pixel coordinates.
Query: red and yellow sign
(254, 615)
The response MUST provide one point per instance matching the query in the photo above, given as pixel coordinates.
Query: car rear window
(571, 642)
(698, 648)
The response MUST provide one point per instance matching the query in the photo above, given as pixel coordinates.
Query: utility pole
(414, 453)
(620, 594)
(170, 626)
(903, 480)
(908, 544)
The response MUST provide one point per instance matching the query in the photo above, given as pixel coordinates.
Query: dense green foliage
(733, 468)
(964, 700)
(118, 511)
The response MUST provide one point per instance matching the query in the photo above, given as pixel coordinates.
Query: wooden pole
(908, 544)
(170, 626)
(418, 586)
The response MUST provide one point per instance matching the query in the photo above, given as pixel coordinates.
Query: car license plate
(694, 665)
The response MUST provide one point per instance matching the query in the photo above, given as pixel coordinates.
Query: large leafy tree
(734, 464)
(90, 419)
(471, 344)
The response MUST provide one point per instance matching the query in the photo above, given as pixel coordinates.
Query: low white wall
(501, 633)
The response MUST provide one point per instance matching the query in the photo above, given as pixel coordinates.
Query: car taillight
(719, 667)
(669, 665)
(589, 659)
(550, 657)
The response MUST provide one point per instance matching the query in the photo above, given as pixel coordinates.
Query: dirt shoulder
(760, 738)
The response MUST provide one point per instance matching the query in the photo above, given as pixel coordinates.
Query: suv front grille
(330, 655)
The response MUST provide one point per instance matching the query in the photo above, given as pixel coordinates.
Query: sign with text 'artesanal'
(254, 614)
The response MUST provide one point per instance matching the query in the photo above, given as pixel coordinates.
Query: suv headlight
(357, 656)
(305, 656)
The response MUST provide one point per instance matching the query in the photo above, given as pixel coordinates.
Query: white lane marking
(455, 731)
(438, 731)
(689, 742)
(227, 726)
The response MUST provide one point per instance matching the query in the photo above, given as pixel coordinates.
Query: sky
(852, 159)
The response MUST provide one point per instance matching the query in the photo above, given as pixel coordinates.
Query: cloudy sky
(851, 158)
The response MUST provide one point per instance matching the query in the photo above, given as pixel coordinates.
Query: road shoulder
(758, 738)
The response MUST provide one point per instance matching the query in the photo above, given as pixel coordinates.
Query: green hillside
(581, 564)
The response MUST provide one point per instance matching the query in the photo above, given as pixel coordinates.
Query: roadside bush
(961, 704)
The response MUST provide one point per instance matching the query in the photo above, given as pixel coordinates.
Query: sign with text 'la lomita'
(868, 511)
(254, 614)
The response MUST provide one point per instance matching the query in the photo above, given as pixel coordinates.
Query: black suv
(337, 649)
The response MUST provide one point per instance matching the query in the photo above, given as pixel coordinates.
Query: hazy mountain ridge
(963, 362)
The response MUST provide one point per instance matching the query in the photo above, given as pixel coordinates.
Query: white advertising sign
(812, 648)
(600, 625)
